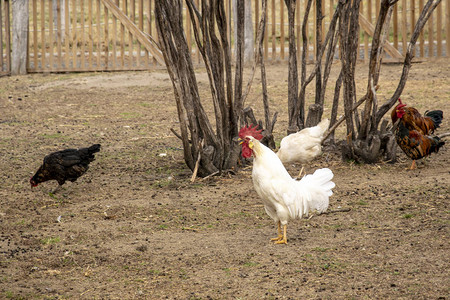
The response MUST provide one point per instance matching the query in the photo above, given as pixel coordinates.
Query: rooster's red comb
(249, 130)
(401, 103)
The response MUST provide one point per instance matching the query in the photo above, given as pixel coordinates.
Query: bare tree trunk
(315, 111)
(293, 73)
(296, 106)
(375, 64)
(349, 42)
(297, 116)
(205, 151)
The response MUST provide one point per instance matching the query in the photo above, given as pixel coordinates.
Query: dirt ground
(135, 227)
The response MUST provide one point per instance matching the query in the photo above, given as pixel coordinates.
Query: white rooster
(303, 146)
(284, 198)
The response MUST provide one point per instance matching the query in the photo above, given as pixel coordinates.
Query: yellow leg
(284, 239)
(280, 236)
(413, 166)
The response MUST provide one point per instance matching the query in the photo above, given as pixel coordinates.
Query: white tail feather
(311, 194)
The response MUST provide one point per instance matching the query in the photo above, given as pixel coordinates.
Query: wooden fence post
(19, 37)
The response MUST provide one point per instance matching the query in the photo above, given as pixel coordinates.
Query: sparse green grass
(54, 136)
(50, 240)
(130, 115)
(320, 249)
(163, 226)
(250, 264)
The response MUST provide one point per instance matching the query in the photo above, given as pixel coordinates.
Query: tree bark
(293, 73)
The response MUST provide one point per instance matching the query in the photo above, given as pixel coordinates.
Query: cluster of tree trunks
(208, 150)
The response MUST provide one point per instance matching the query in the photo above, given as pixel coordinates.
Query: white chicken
(303, 146)
(284, 198)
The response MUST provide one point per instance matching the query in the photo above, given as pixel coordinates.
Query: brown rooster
(413, 120)
(65, 165)
(412, 131)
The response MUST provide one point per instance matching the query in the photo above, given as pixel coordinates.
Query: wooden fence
(5, 38)
(102, 35)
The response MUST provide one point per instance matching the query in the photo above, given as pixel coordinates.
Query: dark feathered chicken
(412, 131)
(65, 165)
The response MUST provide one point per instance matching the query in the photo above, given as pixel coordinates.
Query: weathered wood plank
(370, 29)
(135, 30)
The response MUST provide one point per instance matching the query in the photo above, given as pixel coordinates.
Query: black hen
(65, 165)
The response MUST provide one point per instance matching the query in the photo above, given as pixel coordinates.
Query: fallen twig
(210, 175)
(194, 174)
(336, 211)
(444, 135)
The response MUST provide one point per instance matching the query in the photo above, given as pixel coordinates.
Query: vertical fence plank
(266, 37)
(307, 38)
(122, 37)
(430, 36)
(35, 37)
(282, 37)
(395, 25)
(106, 38)
(141, 27)
(74, 35)
(50, 34)
(133, 18)
(90, 36)
(149, 16)
(256, 13)
(2, 62)
(404, 27)
(413, 20)
(99, 36)
(43, 46)
(83, 34)
(274, 32)
(421, 38)
(298, 20)
(365, 35)
(66, 34)
(8, 35)
(447, 28)
(130, 9)
(439, 30)
(114, 40)
(59, 33)
(313, 30)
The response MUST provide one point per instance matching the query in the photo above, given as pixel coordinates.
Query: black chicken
(65, 165)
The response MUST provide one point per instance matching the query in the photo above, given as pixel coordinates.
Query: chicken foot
(413, 166)
(282, 238)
